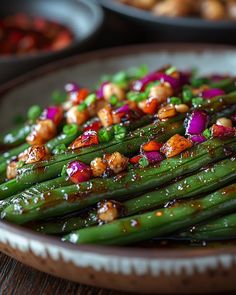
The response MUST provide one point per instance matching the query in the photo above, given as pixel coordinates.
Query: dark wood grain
(19, 279)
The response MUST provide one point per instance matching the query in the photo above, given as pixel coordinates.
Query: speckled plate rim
(122, 260)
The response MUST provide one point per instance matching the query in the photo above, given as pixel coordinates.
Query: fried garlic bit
(11, 171)
(76, 116)
(98, 167)
(43, 131)
(109, 211)
(115, 162)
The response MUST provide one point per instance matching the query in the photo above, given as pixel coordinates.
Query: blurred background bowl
(83, 18)
(170, 29)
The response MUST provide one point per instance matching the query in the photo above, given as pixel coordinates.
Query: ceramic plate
(141, 269)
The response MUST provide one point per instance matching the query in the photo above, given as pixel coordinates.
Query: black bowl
(82, 17)
(186, 29)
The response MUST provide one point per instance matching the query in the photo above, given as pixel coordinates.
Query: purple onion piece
(101, 90)
(78, 172)
(72, 87)
(210, 93)
(124, 109)
(141, 84)
(233, 118)
(51, 113)
(196, 123)
(199, 138)
(153, 157)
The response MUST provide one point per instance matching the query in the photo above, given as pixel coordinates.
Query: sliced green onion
(58, 97)
(120, 77)
(207, 133)
(171, 70)
(70, 129)
(82, 107)
(90, 99)
(113, 100)
(105, 135)
(120, 132)
(143, 162)
(175, 100)
(138, 73)
(187, 93)
(197, 101)
(34, 112)
(136, 96)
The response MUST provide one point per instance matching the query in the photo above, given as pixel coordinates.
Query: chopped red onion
(141, 84)
(78, 172)
(199, 138)
(153, 157)
(72, 87)
(210, 93)
(124, 109)
(196, 123)
(54, 113)
(101, 89)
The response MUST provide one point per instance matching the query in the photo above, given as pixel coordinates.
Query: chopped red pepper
(94, 126)
(151, 146)
(88, 138)
(222, 131)
(134, 160)
(149, 106)
(79, 96)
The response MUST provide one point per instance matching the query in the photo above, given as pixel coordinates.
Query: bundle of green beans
(188, 196)
(75, 197)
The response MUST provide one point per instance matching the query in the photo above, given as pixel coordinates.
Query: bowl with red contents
(33, 33)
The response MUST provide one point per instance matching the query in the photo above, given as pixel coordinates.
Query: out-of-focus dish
(206, 9)
(162, 28)
(81, 18)
(21, 34)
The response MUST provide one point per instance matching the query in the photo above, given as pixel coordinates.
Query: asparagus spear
(72, 198)
(209, 179)
(158, 222)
